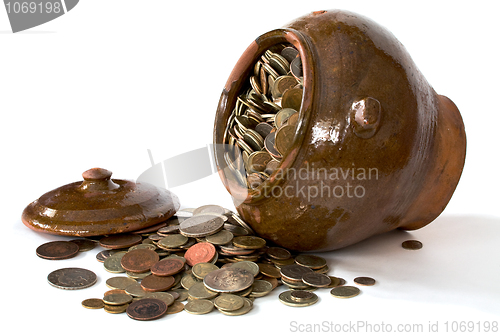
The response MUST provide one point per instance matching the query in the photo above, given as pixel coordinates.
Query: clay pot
(99, 205)
(376, 148)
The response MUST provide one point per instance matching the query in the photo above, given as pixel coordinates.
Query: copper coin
(201, 252)
(147, 309)
(153, 283)
(412, 245)
(364, 281)
(284, 138)
(120, 241)
(278, 253)
(294, 272)
(72, 278)
(292, 98)
(168, 266)
(140, 260)
(57, 250)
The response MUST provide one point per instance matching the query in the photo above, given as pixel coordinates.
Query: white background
(100, 85)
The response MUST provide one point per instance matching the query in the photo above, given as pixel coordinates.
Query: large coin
(140, 260)
(228, 280)
(257, 161)
(153, 283)
(57, 250)
(292, 98)
(72, 278)
(147, 309)
(283, 116)
(213, 209)
(201, 225)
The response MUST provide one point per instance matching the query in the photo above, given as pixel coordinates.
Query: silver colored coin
(201, 226)
(72, 278)
(213, 209)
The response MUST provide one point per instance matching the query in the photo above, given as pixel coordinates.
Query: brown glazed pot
(365, 107)
(99, 205)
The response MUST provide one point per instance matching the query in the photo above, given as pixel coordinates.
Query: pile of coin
(262, 126)
(208, 256)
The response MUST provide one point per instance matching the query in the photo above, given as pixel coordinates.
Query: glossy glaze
(370, 126)
(99, 205)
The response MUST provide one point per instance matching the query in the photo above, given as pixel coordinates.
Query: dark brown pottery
(376, 148)
(99, 206)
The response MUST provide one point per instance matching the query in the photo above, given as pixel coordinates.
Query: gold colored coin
(119, 282)
(247, 306)
(175, 308)
(345, 292)
(165, 297)
(115, 309)
(286, 298)
(113, 263)
(198, 291)
(220, 238)
(257, 161)
(316, 279)
(269, 270)
(364, 281)
(261, 288)
(284, 138)
(198, 307)
(117, 299)
(173, 241)
(93, 303)
(311, 261)
(228, 302)
(249, 242)
(201, 269)
(292, 98)
(189, 280)
(249, 266)
(135, 290)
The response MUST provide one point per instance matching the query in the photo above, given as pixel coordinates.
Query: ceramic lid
(100, 205)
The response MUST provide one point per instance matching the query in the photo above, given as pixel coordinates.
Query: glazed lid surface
(99, 205)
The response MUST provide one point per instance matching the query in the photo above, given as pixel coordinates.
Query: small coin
(269, 144)
(286, 298)
(198, 307)
(271, 167)
(214, 209)
(93, 303)
(144, 245)
(247, 306)
(199, 291)
(296, 67)
(412, 245)
(294, 272)
(220, 238)
(263, 129)
(289, 53)
(175, 308)
(249, 242)
(115, 291)
(140, 260)
(84, 244)
(345, 292)
(119, 282)
(189, 280)
(117, 299)
(257, 161)
(72, 278)
(120, 241)
(169, 229)
(153, 283)
(200, 270)
(137, 276)
(335, 282)
(168, 266)
(301, 295)
(269, 270)
(228, 280)
(283, 115)
(364, 281)
(201, 226)
(135, 290)
(147, 309)
(311, 261)
(316, 279)
(57, 250)
(116, 309)
(200, 252)
(228, 302)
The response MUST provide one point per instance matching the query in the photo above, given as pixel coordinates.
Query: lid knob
(98, 179)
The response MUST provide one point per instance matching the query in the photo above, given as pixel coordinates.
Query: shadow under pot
(372, 147)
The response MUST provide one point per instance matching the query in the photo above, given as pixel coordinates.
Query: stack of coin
(262, 126)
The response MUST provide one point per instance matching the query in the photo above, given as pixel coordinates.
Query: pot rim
(237, 80)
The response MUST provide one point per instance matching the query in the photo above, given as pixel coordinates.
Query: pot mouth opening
(263, 114)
